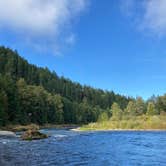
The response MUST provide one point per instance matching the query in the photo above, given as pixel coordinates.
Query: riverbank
(89, 129)
(19, 128)
(137, 123)
(7, 133)
(32, 131)
(62, 126)
(140, 123)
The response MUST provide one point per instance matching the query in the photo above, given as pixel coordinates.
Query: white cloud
(148, 14)
(155, 16)
(36, 18)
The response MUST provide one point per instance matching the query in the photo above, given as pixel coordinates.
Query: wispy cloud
(36, 19)
(71, 39)
(127, 7)
(151, 16)
(155, 16)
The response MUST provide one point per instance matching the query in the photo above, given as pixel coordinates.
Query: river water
(69, 148)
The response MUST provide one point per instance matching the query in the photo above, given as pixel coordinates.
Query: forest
(31, 94)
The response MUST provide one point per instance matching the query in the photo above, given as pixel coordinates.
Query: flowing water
(65, 147)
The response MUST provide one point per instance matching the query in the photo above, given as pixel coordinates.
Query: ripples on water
(65, 147)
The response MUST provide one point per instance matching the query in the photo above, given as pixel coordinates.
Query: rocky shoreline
(28, 132)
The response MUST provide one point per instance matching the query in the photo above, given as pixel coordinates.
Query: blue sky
(113, 44)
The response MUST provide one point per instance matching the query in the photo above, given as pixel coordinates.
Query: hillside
(31, 94)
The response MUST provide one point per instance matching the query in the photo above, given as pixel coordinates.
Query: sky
(111, 44)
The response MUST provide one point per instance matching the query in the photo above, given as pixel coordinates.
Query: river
(69, 148)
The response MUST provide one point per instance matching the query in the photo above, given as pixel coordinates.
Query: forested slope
(31, 94)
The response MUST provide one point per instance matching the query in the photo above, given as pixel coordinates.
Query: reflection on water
(65, 147)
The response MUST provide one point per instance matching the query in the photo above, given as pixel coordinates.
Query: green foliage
(151, 109)
(39, 106)
(131, 108)
(30, 94)
(161, 103)
(103, 117)
(116, 111)
(142, 122)
(3, 109)
(140, 106)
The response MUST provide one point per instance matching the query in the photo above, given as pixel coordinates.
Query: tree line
(134, 108)
(31, 94)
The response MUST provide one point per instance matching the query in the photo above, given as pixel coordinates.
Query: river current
(100, 148)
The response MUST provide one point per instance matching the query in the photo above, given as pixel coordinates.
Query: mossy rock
(33, 135)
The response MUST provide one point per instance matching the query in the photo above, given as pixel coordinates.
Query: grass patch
(143, 122)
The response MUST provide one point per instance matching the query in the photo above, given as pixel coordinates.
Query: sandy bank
(76, 129)
(7, 133)
(79, 129)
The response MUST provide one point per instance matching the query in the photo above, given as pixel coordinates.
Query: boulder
(33, 135)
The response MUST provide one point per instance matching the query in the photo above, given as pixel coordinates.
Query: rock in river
(33, 135)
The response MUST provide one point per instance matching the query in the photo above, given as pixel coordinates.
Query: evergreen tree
(3, 109)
